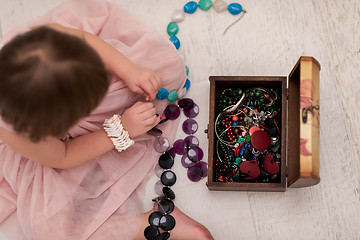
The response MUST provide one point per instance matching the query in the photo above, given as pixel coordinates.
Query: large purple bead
(195, 154)
(203, 167)
(192, 141)
(190, 126)
(194, 174)
(180, 147)
(172, 152)
(185, 102)
(192, 111)
(161, 144)
(186, 162)
(172, 111)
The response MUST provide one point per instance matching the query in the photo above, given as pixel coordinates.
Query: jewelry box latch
(305, 112)
(207, 131)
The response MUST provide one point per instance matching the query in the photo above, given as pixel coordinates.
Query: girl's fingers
(151, 121)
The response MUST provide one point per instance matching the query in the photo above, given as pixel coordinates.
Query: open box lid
(303, 124)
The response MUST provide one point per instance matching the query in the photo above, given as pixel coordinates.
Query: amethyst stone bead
(172, 152)
(190, 126)
(186, 162)
(185, 102)
(203, 167)
(180, 147)
(172, 112)
(192, 111)
(161, 144)
(195, 154)
(194, 174)
(192, 141)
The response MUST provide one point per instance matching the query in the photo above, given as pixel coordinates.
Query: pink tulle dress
(100, 199)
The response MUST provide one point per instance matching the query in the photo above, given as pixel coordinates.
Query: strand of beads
(188, 148)
(173, 29)
(192, 155)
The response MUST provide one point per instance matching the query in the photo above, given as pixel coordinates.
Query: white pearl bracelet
(116, 132)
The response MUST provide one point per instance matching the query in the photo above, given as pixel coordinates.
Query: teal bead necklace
(173, 28)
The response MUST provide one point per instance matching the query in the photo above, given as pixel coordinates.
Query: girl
(60, 175)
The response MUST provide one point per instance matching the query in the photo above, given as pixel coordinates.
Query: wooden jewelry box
(299, 134)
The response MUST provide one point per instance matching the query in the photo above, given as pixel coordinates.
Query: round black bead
(168, 193)
(151, 232)
(166, 206)
(154, 219)
(168, 178)
(167, 222)
(166, 161)
(163, 236)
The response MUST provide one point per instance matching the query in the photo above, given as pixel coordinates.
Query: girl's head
(49, 81)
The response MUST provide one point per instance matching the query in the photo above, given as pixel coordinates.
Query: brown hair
(48, 81)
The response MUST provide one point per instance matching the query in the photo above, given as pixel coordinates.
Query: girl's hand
(144, 81)
(139, 119)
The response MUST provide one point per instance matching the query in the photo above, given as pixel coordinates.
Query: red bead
(235, 118)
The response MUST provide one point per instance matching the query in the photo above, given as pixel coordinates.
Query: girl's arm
(139, 79)
(55, 153)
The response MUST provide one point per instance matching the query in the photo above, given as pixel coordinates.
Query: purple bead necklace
(191, 158)
(188, 148)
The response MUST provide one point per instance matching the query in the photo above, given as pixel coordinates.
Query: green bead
(172, 29)
(247, 138)
(173, 96)
(205, 4)
(187, 70)
(257, 93)
(252, 93)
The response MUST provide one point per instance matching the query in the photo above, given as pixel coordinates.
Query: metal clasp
(305, 112)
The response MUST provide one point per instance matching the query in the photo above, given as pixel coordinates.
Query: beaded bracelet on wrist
(117, 134)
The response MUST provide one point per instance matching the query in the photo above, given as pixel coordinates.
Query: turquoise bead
(234, 124)
(205, 4)
(175, 41)
(235, 8)
(187, 70)
(172, 29)
(162, 94)
(187, 84)
(190, 7)
(173, 96)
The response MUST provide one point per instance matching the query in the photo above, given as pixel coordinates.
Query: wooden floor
(267, 41)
